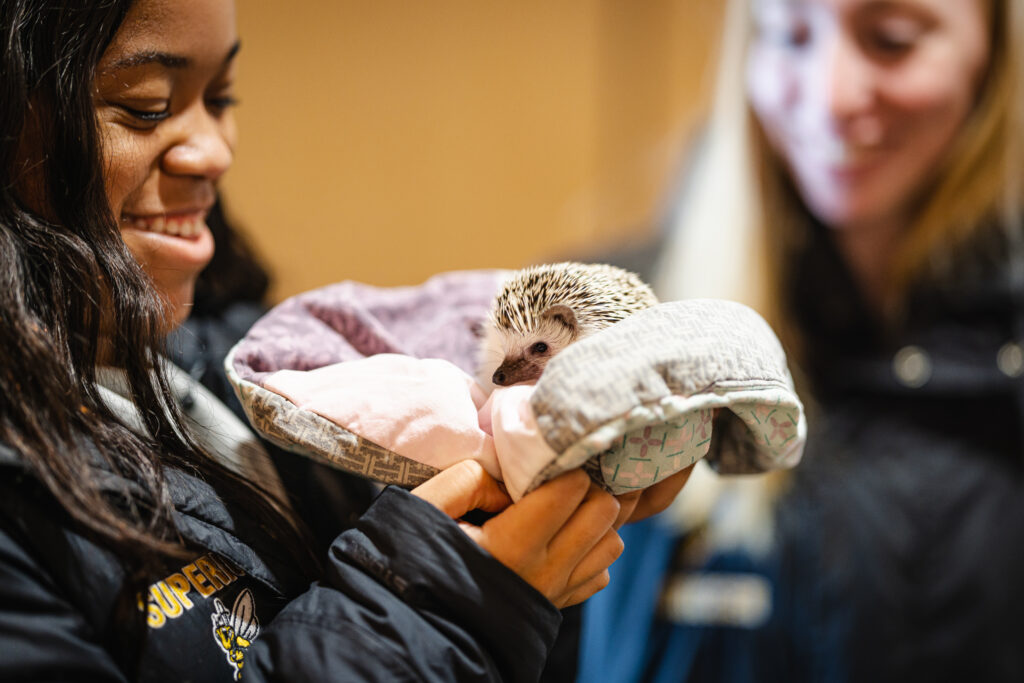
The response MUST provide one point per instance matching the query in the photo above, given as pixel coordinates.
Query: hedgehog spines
(599, 294)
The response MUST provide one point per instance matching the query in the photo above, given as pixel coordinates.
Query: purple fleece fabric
(350, 320)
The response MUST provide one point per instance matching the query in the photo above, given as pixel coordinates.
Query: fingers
(559, 538)
(587, 526)
(547, 508)
(463, 487)
(594, 585)
(627, 504)
(578, 556)
(597, 561)
(583, 549)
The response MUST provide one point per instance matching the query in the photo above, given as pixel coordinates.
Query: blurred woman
(861, 183)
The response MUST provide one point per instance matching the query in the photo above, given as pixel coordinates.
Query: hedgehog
(542, 309)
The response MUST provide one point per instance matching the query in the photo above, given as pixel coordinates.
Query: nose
(513, 371)
(203, 147)
(849, 85)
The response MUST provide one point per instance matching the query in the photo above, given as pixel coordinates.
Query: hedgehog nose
(499, 377)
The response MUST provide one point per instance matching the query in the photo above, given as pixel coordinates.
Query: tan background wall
(386, 141)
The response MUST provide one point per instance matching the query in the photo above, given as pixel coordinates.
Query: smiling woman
(148, 537)
(164, 98)
(862, 102)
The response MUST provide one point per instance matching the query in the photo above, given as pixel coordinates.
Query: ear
(563, 315)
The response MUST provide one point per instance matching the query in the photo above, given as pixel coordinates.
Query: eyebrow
(165, 59)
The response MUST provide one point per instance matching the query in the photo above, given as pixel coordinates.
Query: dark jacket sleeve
(408, 596)
(43, 637)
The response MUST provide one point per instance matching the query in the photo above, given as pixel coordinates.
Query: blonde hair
(741, 220)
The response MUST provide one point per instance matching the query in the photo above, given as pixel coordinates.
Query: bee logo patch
(234, 631)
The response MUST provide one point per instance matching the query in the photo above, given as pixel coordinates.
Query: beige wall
(386, 141)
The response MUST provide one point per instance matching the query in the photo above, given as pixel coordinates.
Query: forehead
(190, 28)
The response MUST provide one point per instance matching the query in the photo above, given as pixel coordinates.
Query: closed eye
(147, 118)
(221, 103)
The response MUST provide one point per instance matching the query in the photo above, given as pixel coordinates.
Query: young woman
(143, 541)
(862, 184)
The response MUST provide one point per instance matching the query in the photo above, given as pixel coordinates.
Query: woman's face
(163, 99)
(862, 98)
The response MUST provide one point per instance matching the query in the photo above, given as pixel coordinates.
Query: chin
(178, 306)
(840, 207)
(841, 212)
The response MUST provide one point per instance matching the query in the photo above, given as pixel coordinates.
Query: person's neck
(868, 249)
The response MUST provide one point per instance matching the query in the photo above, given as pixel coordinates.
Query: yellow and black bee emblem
(235, 630)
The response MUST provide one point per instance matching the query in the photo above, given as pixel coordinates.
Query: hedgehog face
(522, 356)
(542, 309)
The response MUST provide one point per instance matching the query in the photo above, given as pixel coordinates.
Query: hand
(638, 505)
(558, 538)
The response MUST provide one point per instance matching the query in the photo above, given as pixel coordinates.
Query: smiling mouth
(846, 155)
(186, 224)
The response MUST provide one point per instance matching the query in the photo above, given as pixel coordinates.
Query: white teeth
(184, 226)
(840, 153)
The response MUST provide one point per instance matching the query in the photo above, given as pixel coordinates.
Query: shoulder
(49, 567)
(67, 603)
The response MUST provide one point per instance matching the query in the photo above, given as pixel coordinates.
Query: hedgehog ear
(563, 315)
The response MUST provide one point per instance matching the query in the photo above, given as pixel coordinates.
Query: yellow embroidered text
(177, 593)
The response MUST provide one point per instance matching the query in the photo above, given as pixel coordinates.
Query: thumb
(463, 487)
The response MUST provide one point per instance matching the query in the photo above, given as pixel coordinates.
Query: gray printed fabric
(633, 403)
(656, 392)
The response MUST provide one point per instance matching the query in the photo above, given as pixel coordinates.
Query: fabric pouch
(379, 382)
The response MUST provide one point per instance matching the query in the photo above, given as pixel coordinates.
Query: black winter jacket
(405, 596)
(901, 544)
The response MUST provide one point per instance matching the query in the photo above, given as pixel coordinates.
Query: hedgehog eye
(539, 347)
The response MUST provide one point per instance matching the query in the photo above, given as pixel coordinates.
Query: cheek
(936, 89)
(928, 113)
(926, 93)
(126, 168)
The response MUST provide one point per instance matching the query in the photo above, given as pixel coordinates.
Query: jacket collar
(958, 321)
